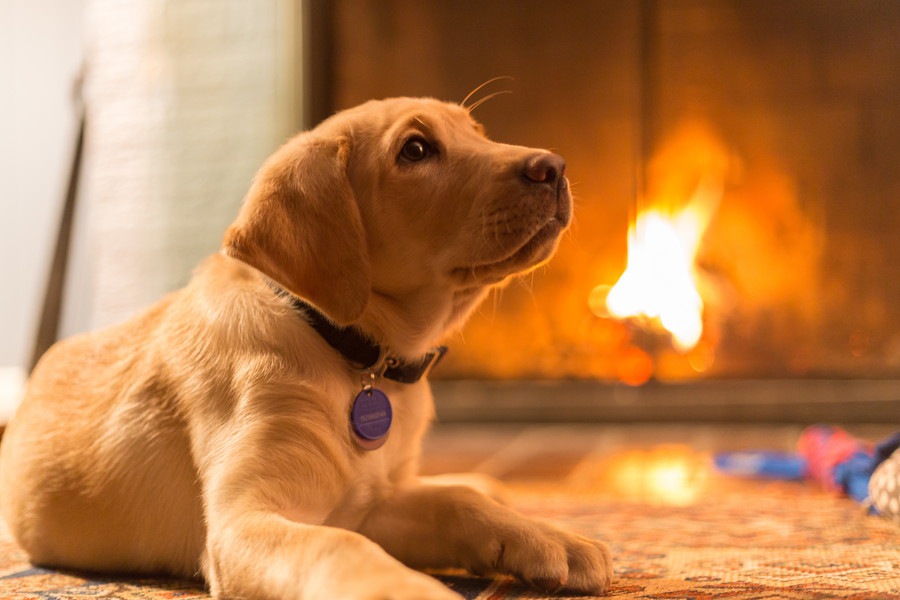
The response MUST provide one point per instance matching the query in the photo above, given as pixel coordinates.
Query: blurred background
(734, 166)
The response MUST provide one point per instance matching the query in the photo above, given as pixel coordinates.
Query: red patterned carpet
(677, 529)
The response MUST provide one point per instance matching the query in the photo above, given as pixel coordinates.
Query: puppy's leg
(446, 526)
(265, 555)
(270, 482)
(488, 485)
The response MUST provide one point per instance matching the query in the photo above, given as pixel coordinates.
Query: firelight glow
(660, 281)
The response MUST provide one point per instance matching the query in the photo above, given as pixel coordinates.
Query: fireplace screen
(734, 164)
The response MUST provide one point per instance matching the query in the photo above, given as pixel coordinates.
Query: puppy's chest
(376, 472)
(403, 412)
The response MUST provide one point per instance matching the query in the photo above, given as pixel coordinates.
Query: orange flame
(660, 281)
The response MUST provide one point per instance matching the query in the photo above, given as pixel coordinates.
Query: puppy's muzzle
(549, 169)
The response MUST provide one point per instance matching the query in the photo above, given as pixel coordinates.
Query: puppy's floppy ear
(301, 227)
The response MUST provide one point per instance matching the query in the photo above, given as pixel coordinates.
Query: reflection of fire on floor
(656, 464)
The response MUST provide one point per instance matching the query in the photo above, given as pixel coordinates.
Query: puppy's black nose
(545, 167)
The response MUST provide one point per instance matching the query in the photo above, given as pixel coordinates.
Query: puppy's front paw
(552, 559)
(590, 566)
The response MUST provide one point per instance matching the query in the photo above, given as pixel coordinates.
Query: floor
(663, 464)
(676, 527)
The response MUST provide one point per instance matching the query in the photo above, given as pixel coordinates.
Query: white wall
(40, 56)
(185, 99)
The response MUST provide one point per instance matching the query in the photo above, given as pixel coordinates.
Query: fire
(660, 282)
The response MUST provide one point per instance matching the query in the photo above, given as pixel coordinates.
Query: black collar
(360, 351)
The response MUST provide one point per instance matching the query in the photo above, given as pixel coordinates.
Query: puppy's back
(97, 428)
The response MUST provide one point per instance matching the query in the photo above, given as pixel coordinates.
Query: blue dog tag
(370, 418)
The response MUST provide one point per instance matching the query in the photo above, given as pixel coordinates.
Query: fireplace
(737, 197)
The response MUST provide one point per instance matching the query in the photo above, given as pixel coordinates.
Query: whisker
(498, 298)
(475, 91)
(526, 282)
(486, 98)
(484, 224)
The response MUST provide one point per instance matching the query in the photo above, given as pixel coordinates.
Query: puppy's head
(405, 199)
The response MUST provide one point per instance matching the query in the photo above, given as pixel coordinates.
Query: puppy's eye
(415, 149)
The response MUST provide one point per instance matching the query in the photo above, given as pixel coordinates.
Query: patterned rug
(783, 541)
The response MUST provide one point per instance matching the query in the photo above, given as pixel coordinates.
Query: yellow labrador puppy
(261, 427)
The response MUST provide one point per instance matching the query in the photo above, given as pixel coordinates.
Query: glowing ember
(660, 281)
